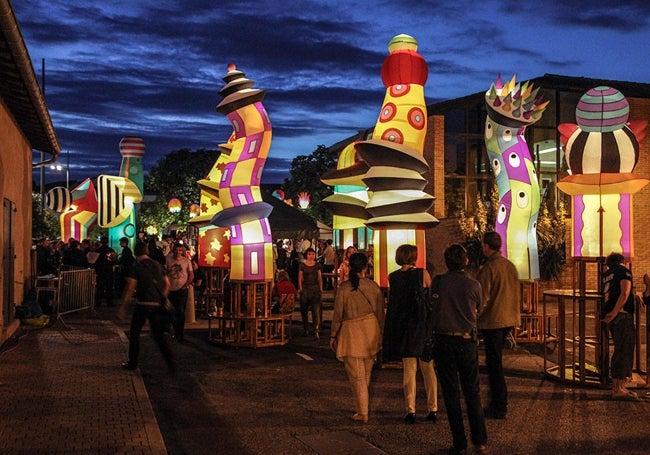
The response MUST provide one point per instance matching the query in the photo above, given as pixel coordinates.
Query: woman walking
(310, 287)
(405, 330)
(357, 323)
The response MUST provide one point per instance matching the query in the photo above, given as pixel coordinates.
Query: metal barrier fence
(76, 291)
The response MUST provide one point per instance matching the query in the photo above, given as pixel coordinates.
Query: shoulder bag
(429, 338)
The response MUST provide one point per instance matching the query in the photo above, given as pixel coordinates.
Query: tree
(305, 177)
(551, 231)
(45, 223)
(175, 176)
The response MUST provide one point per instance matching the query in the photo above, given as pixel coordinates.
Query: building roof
(288, 222)
(19, 89)
(552, 82)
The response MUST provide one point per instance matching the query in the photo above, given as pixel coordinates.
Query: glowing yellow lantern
(174, 205)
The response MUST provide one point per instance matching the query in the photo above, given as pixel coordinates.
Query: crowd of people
(111, 267)
(448, 317)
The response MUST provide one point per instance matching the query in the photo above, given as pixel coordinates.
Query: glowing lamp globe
(132, 146)
(303, 200)
(195, 210)
(174, 205)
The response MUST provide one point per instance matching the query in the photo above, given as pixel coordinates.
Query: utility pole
(42, 182)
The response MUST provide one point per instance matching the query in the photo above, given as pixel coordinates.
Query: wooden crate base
(250, 332)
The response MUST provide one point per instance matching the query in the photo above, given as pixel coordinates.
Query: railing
(76, 291)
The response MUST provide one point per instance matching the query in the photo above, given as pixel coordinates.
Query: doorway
(8, 257)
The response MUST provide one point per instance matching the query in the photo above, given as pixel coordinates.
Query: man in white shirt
(330, 263)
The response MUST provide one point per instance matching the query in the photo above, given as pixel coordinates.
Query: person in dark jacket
(147, 282)
(404, 330)
(73, 256)
(44, 258)
(125, 261)
(155, 252)
(454, 316)
(104, 264)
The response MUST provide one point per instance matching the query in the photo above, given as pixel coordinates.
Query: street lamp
(58, 167)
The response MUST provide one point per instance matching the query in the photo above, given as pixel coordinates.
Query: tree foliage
(305, 177)
(474, 227)
(45, 222)
(175, 176)
(551, 231)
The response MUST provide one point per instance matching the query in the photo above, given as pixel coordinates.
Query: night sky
(153, 68)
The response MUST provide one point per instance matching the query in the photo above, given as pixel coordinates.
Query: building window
(467, 171)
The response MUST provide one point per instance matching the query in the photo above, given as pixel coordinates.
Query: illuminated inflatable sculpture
(213, 246)
(348, 203)
(602, 150)
(58, 199)
(82, 214)
(510, 109)
(244, 212)
(117, 195)
(397, 206)
(78, 209)
(132, 150)
(115, 199)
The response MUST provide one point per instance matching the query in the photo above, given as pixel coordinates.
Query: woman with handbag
(357, 323)
(405, 333)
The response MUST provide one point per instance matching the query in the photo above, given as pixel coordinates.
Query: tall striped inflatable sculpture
(398, 206)
(510, 109)
(244, 212)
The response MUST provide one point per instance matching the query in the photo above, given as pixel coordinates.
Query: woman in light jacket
(357, 324)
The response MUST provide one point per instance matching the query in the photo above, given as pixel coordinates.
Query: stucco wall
(16, 186)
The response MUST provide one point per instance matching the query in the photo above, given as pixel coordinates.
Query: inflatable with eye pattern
(510, 109)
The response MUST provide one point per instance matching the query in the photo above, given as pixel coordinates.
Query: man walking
(497, 316)
(181, 275)
(146, 279)
(454, 313)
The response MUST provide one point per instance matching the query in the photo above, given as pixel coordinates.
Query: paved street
(65, 393)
